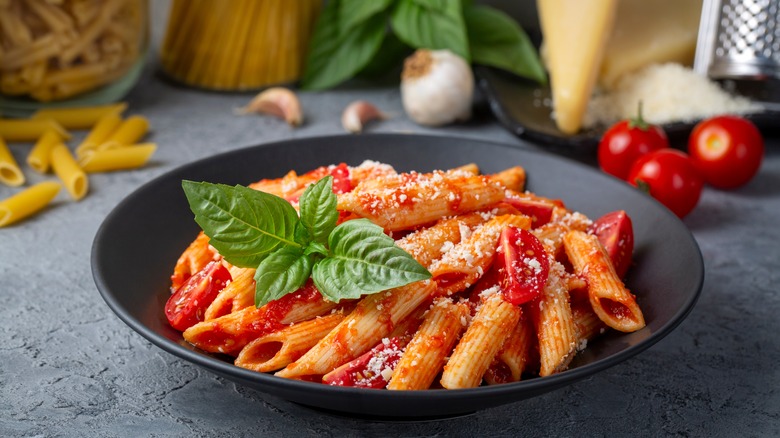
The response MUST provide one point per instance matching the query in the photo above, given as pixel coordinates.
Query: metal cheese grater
(739, 39)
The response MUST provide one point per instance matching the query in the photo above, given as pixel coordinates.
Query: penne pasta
(555, 327)
(373, 319)
(409, 200)
(488, 330)
(27, 202)
(425, 354)
(611, 301)
(124, 158)
(515, 354)
(128, 132)
(69, 172)
(10, 173)
(466, 262)
(29, 130)
(238, 294)
(278, 349)
(80, 118)
(39, 157)
(102, 130)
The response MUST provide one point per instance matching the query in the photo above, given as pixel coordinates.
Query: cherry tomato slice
(524, 264)
(186, 306)
(669, 176)
(616, 233)
(371, 370)
(726, 150)
(342, 183)
(625, 142)
(539, 212)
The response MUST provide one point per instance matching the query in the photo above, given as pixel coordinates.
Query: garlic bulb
(437, 87)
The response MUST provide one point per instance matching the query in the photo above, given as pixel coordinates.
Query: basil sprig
(253, 229)
(352, 36)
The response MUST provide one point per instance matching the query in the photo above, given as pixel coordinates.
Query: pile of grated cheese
(669, 93)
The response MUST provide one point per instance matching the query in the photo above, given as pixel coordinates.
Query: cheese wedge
(650, 32)
(575, 36)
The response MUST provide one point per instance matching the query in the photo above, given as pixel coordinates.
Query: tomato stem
(638, 121)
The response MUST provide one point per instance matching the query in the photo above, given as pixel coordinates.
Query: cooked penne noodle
(10, 173)
(80, 118)
(276, 350)
(425, 354)
(555, 327)
(27, 202)
(611, 301)
(372, 320)
(467, 261)
(588, 325)
(515, 354)
(230, 333)
(128, 132)
(39, 157)
(240, 291)
(197, 255)
(488, 330)
(69, 172)
(28, 129)
(124, 158)
(512, 178)
(102, 130)
(417, 199)
(429, 244)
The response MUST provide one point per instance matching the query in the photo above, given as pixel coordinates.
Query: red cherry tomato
(726, 150)
(186, 306)
(625, 142)
(616, 234)
(669, 176)
(369, 369)
(524, 264)
(342, 183)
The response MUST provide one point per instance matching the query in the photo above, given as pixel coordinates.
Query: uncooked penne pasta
(28, 129)
(611, 301)
(39, 157)
(426, 353)
(128, 132)
(10, 173)
(27, 202)
(488, 330)
(99, 133)
(372, 320)
(124, 158)
(80, 118)
(555, 327)
(405, 201)
(69, 172)
(278, 349)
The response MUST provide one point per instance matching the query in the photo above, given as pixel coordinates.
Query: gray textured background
(70, 367)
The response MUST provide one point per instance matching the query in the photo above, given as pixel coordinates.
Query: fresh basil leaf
(316, 248)
(387, 67)
(498, 41)
(335, 56)
(244, 225)
(318, 209)
(364, 260)
(432, 24)
(353, 12)
(283, 271)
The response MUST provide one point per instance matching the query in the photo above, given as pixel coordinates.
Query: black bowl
(137, 245)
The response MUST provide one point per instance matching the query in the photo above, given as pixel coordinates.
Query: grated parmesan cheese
(669, 93)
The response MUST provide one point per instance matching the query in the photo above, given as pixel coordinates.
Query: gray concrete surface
(70, 367)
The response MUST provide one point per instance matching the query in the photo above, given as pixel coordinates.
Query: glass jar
(52, 51)
(237, 44)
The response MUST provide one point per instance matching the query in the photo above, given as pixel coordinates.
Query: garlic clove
(358, 113)
(437, 87)
(278, 101)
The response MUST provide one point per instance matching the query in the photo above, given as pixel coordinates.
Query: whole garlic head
(437, 87)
